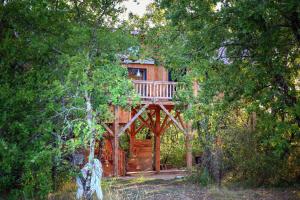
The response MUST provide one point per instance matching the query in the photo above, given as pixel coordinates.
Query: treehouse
(156, 113)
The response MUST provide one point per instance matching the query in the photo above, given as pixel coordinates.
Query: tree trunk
(90, 121)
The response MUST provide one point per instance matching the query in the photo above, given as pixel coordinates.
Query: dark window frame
(134, 71)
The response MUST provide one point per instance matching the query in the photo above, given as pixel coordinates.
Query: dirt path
(141, 188)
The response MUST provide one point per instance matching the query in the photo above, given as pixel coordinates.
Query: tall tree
(59, 75)
(245, 55)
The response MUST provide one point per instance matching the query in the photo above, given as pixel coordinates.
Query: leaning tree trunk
(89, 180)
(91, 126)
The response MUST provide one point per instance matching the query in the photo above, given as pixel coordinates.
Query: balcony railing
(155, 89)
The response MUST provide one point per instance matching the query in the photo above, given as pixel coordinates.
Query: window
(137, 73)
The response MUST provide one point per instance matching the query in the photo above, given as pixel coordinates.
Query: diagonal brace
(134, 118)
(172, 118)
(111, 133)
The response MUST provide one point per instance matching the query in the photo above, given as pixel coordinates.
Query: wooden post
(132, 139)
(189, 133)
(132, 133)
(157, 140)
(188, 146)
(116, 142)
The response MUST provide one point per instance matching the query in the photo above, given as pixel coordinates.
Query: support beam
(157, 153)
(181, 120)
(150, 117)
(188, 146)
(164, 123)
(145, 122)
(132, 140)
(148, 123)
(172, 118)
(116, 142)
(132, 133)
(139, 129)
(166, 126)
(134, 118)
(132, 126)
(111, 133)
(157, 140)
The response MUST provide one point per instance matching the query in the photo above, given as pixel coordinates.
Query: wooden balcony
(156, 90)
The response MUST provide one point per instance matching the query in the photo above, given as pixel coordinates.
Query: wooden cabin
(156, 90)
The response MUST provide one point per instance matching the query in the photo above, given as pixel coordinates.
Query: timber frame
(156, 112)
(153, 111)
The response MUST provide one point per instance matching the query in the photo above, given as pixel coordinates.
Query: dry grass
(142, 188)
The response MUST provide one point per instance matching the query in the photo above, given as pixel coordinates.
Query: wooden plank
(134, 118)
(172, 118)
(132, 141)
(164, 122)
(111, 133)
(157, 140)
(157, 153)
(150, 117)
(167, 125)
(139, 129)
(116, 142)
(188, 146)
(181, 120)
(146, 123)
(132, 126)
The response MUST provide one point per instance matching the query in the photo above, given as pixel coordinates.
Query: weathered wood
(107, 161)
(155, 89)
(163, 129)
(134, 118)
(154, 72)
(181, 121)
(132, 126)
(188, 146)
(116, 142)
(172, 118)
(164, 123)
(132, 132)
(111, 133)
(150, 117)
(157, 153)
(141, 160)
(145, 122)
(157, 140)
(132, 141)
(139, 128)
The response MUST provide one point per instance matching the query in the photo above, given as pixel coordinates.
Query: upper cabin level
(151, 82)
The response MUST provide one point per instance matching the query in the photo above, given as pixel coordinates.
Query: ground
(159, 189)
(176, 187)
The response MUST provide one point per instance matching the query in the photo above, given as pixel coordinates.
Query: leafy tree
(59, 75)
(245, 56)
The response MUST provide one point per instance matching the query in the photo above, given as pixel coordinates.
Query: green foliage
(245, 57)
(51, 53)
(173, 148)
(201, 176)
